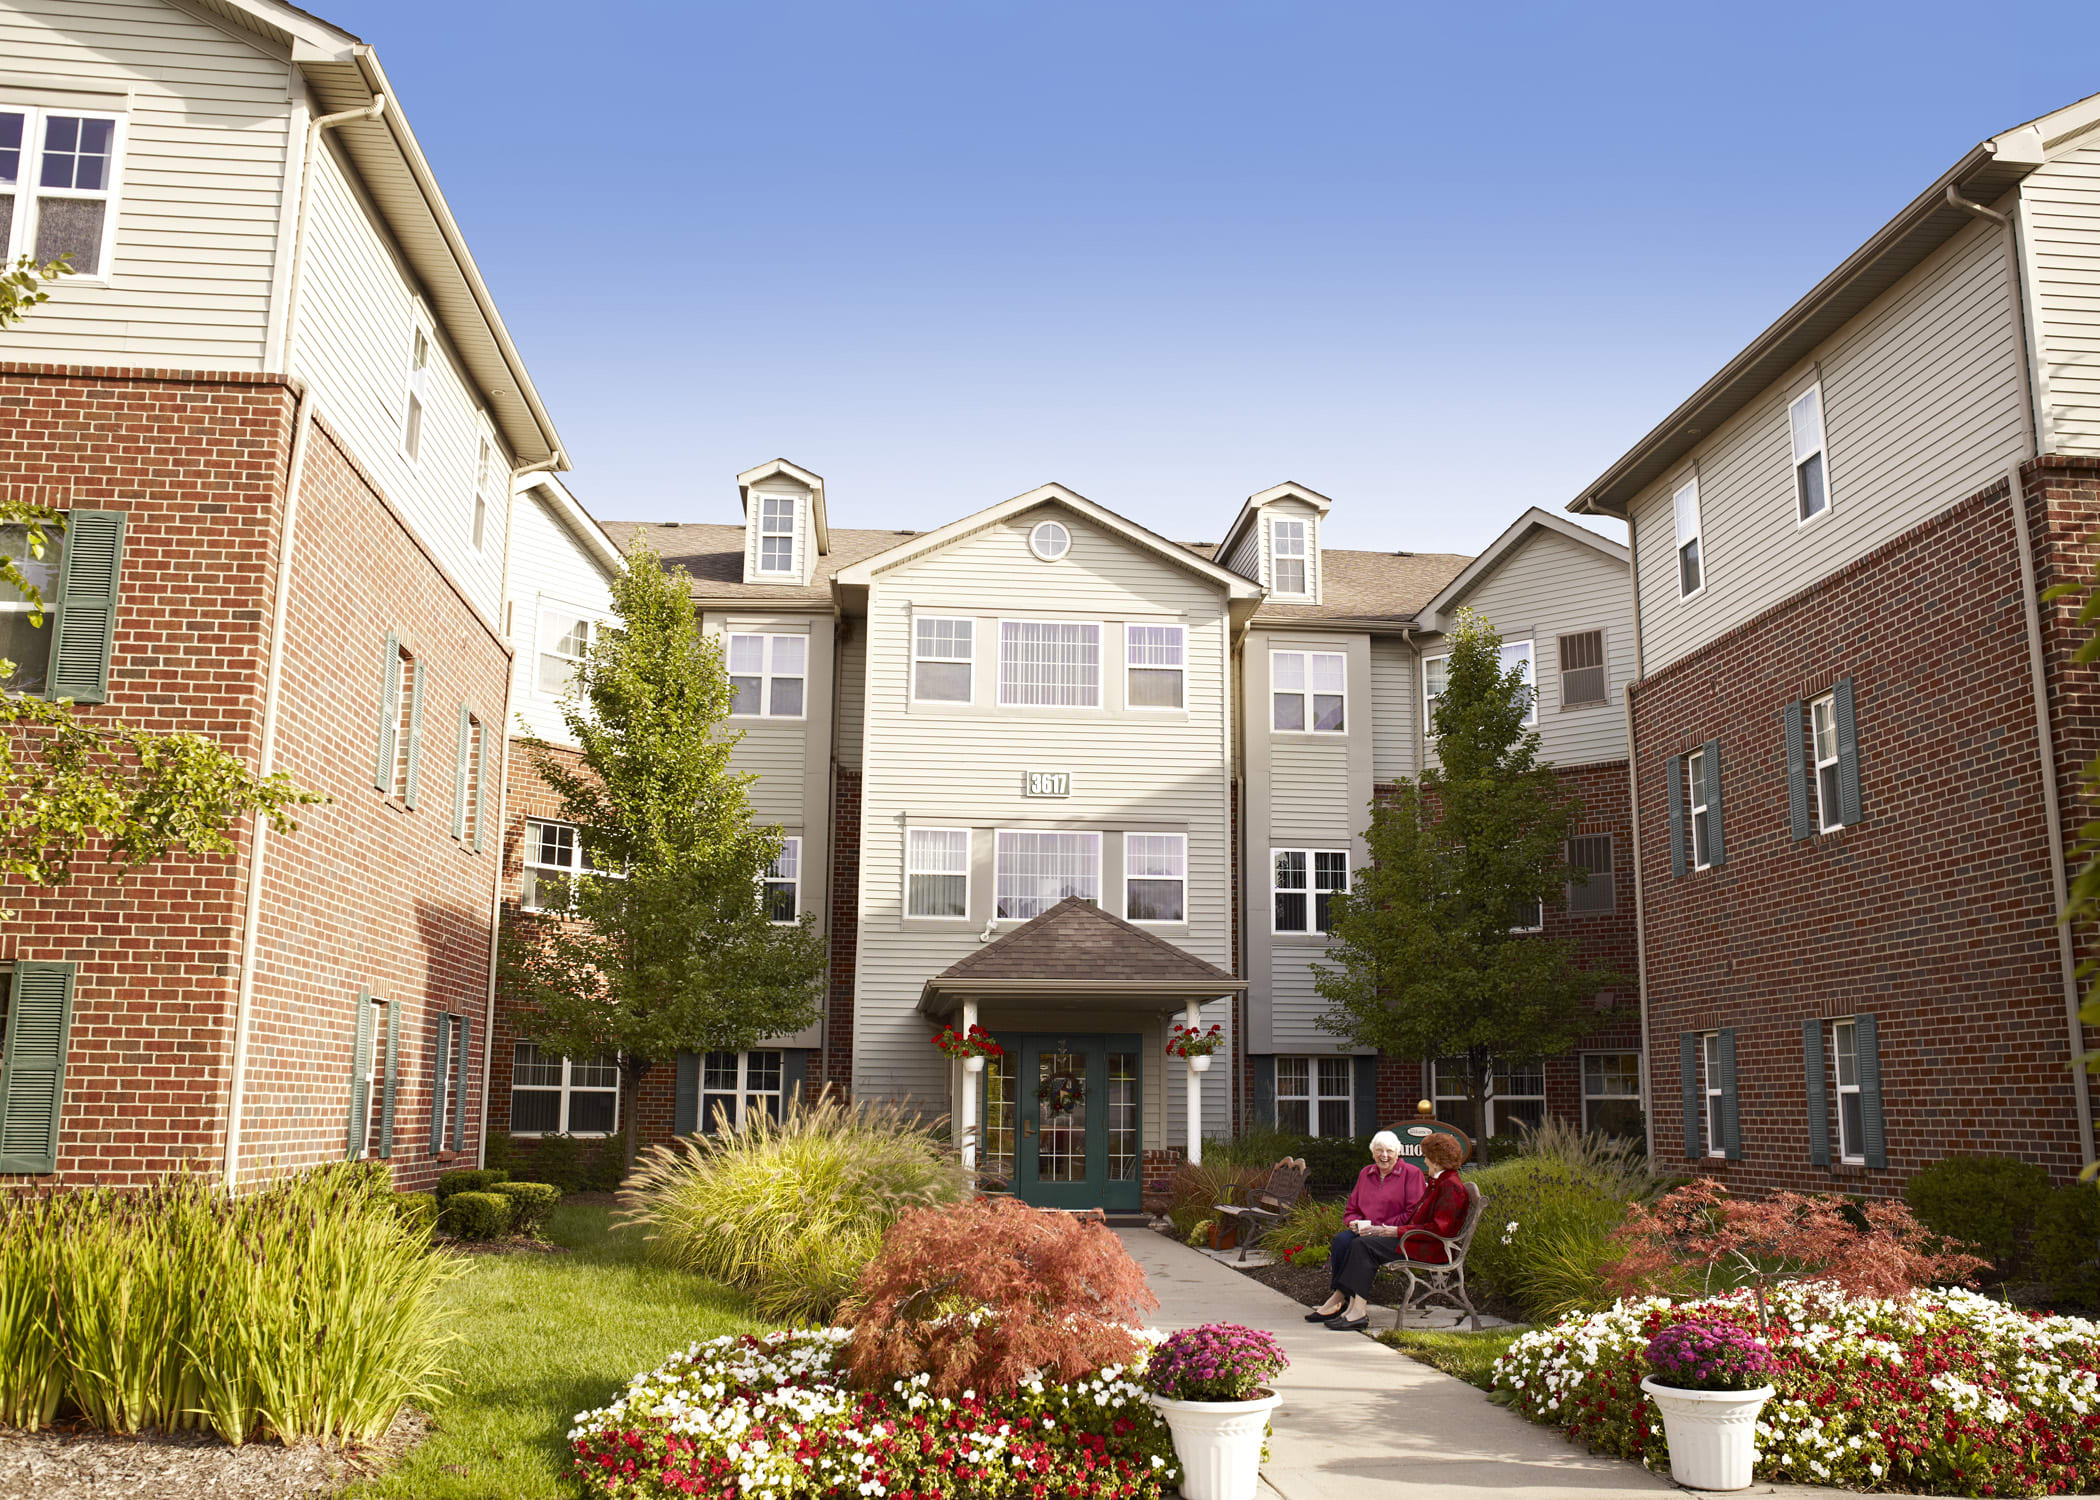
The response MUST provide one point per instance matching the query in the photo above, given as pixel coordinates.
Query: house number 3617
(1049, 783)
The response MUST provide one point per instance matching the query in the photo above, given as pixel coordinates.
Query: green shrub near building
(475, 1216)
(532, 1204)
(1986, 1201)
(468, 1180)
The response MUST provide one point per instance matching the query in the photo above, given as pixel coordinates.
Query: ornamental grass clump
(1709, 1357)
(1216, 1362)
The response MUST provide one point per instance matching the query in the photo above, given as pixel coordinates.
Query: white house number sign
(1049, 783)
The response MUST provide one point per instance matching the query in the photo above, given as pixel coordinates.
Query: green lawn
(1469, 1356)
(542, 1337)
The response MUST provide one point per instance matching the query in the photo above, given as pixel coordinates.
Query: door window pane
(1061, 1139)
(1122, 1117)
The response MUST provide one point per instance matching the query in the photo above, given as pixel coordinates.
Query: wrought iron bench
(1428, 1281)
(1268, 1204)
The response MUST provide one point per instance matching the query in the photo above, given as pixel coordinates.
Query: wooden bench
(1268, 1204)
(1428, 1281)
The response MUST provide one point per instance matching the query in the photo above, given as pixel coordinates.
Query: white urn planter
(974, 1063)
(1218, 1442)
(1713, 1434)
(1200, 1062)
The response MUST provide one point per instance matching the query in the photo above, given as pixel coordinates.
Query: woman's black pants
(1353, 1259)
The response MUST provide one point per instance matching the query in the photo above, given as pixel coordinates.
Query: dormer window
(776, 534)
(1287, 557)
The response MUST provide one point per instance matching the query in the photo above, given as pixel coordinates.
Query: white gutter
(314, 128)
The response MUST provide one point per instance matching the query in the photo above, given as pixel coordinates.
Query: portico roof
(1075, 956)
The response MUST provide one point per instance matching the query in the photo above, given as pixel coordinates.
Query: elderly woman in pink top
(1380, 1204)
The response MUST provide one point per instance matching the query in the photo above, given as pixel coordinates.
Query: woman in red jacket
(1442, 1211)
(1381, 1204)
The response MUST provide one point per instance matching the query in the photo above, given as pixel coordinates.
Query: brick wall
(835, 1064)
(1935, 913)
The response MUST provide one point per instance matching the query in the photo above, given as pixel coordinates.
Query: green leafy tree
(664, 947)
(22, 286)
(1431, 956)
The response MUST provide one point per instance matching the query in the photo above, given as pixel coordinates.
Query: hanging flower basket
(976, 1044)
(1193, 1042)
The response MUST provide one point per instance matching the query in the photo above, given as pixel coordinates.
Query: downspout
(273, 674)
(1633, 806)
(2038, 673)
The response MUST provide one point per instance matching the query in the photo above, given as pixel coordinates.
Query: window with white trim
(418, 395)
(782, 885)
(776, 534)
(1309, 691)
(1591, 854)
(1611, 1093)
(58, 186)
(25, 627)
(554, 1095)
(1710, 1091)
(1315, 1096)
(482, 468)
(1691, 567)
(408, 682)
(1033, 871)
(1582, 669)
(1304, 883)
(1155, 663)
(1823, 722)
(937, 872)
(1516, 1097)
(1516, 657)
(768, 673)
(554, 855)
(565, 640)
(1436, 681)
(1844, 1059)
(1155, 877)
(942, 652)
(1436, 677)
(737, 1085)
(373, 1065)
(1049, 664)
(1290, 562)
(1699, 800)
(1804, 421)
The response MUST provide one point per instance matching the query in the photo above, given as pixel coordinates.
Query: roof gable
(1290, 489)
(1077, 940)
(1519, 533)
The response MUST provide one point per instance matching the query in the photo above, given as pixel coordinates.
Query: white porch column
(966, 1107)
(1195, 1016)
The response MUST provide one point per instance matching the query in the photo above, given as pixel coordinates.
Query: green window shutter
(1818, 1093)
(33, 1066)
(481, 788)
(389, 714)
(1688, 1071)
(360, 1077)
(1262, 1100)
(87, 605)
(1798, 821)
(1673, 774)
(440, 1063)
(416, 693)
(390, 1084)
(1366, 1097)
(1716, 846)
(462, 1032)
(459, 772)
(1867, 1036)
(685, 1099)
(1848, 754)
(1731, 1122)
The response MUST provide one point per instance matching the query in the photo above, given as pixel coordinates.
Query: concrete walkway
(1360, 1421)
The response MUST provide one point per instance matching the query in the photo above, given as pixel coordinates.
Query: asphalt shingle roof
(1387, 588)
(1077, 940)
(713, 556)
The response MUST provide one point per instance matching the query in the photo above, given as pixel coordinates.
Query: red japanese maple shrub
(980, 1295)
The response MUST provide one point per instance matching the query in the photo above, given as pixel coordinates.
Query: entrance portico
(1081, 1001)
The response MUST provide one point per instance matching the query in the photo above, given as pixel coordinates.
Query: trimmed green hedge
(469, 1180)
(532, 1204)
(475, 1216)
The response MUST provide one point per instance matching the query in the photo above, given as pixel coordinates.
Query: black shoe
(1341, 1324)
(1316, 1316)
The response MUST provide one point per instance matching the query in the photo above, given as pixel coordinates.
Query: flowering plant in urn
(976, 1042)
(1193, 1041)
(1217, 1362)
(1710, 1357)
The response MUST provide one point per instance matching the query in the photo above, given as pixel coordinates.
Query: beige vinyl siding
(2060, 212)
(1246, 555)
(1922, 398)
(804, 555)
(357, 322)
(777, 751)
(1293, 510)
(1394, 694)
(1310, 795)
(549, 566)
(202, 183)
(1547, 587)
(1164, 771)
(853, 692)
(1295, 1005)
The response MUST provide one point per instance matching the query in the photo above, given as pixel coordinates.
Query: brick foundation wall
(1935, 913)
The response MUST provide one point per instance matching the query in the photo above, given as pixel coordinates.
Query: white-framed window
(776, 534)
(418, 395)
(942, 652)
(1710, 1091)
(1033, 871)
(1611, 1092)
(1155, 661)
(1156, 877)
(1289, 557)
(736, 1084)
(1699, 798)
(782, 885)
(22, 641)
(1436, 676)
(1309, 691)
(566, 638)
(408, 682)
(482, 467)
(1530, 916)
(1304, 883)
(554, 855)
(937, 872)
(768, 673)
(1844, 1057)
(1691, 567)
(1049, 540)
(1049, 663)
(1315, 1096)
(1804, 419)
(1516, 656)
(1592, 854)
(58, 186)
(373, 1066)
(1822, 715)
(553, 1095)
(1516, 1097)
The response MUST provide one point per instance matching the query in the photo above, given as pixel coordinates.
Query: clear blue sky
(1438, 263)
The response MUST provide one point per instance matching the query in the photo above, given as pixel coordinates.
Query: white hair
(1385, 1138)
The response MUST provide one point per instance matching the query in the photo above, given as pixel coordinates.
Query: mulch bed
(1308, 1284)
(86, 1465)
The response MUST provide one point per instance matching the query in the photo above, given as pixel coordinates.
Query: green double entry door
(1061, 1113)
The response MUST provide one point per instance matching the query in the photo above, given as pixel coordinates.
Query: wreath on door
(1061, 1093)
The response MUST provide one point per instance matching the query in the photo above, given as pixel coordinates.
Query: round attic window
(1049, 540)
